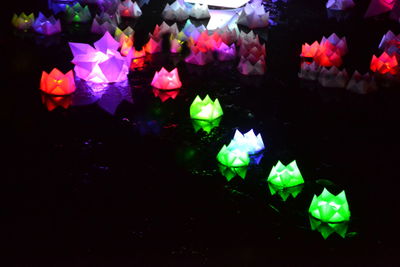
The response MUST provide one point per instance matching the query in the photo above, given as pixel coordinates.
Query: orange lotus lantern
(57, 83)
(309, 51)
(385, 64)
(166, 80)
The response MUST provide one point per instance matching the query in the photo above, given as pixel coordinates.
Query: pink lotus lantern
(57, 83)
(166, 80)
(385, 64)
(101, 63)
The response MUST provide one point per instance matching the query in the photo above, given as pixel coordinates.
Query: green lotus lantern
(77, 13)
(330, 208)
(205, 109)
(326, 229)
(233, 161)
(282, 176)
(284, 193)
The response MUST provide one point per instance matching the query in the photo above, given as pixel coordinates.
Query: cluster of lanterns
(110, 58)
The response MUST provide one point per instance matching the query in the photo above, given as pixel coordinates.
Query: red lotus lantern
(385, 64)
(166, 80)
(57, 83)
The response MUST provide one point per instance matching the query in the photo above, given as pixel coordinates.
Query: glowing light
(23, 21)
(178, 11)
(330, 208)
(205, 109)
(385, 64)
(233, 161)
(326, 229)
(248, 142)
(200, 11)
(78, 14)
(46, 26)
(153, 46)
(129, 9)
(57, 83)
(254, 16)
(285, 176)
(166, 80)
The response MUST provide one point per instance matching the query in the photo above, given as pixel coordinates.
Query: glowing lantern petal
(57, 83)
(330, 208)
(205, 109)
(166, 80)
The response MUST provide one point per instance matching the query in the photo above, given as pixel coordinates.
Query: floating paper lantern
(309, 71)
(333, 77)
(206, 126)
(309, 51)
(57, 83)
(326, 229)
(200, 11)
(285, 176)
(254, 16)
(361, 84)
(285, 192)
(58, 6)
(205, 109)
(76, 13)
(388, 40)
(129, 9)
(165, 95)
(23, 21)
(248, 142)
(225, 52)
(101, 64)
(330, 208)
(384, 64)
(46, 26)
(233, 159)
(339, 4)
(166, 80)
(247, 66)
(176, 11)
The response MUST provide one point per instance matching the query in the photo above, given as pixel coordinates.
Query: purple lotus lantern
(102, 63)
(46, 26)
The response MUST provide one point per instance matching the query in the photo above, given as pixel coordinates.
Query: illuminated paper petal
(166, 80)
(153, 46)
(233, 157)
(23, 21)
(57, 83)
(206, 126)
(332, 77)
(199, 58)
(248, 142)
(230, 172)
(200, 11)
(225, 52)
(205, 109)
(102, 64)
(330, 208)
(165, 95)
(285, 176)
(361, 84)
(377, 7)
(245, 67)
(309, 51)
(129, 9)
(334, 43)
(285, 192)
(254, 16)
(385, 64)
(176, 11)
(309, 71)
(76, 13)
(340, 4)
(46, 26)
(326, 229)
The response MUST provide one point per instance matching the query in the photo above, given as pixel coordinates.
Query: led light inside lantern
(57, 83)
(101, 64)
(248, 142)
(285, 176)
(330, 208)
(326, 229)
(205, 109)
(23, 21)
(166, 80)
(385, 64)
(77, 13)
(285, 192)
(129, 9)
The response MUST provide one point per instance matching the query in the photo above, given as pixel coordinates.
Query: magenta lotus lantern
(166, 80)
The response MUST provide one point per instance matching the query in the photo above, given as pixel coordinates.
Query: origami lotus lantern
(388, 40)
(333, 77)
(327, 57)
(246, 67)
(254, 16)
(206, 126)
(225, 52)
(285, 192)
(326, 229)
(205, 109)
(309, 71)
(52, 102)
(165, 95)
(334, 43)
(122, 35)
(166, 80)
(361, 84)
(309, 51)
(200, 11)
(153, 46)
(101, 64)
(339, 4)
(78, 14)
(23, 21)
(46, 26)
(233, 158)
(385, 64)
(248, 142)
(128, 9)
(230, 172)
(178, 11)
(57, 83)
(285, 176)
(227, 35)
(58, 6)
(330, 208)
